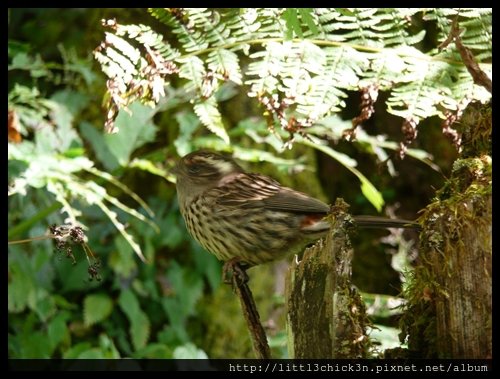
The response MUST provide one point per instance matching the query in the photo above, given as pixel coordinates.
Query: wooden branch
(479, 76)
(240, 287)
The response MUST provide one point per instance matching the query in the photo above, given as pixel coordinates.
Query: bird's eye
(194, 169)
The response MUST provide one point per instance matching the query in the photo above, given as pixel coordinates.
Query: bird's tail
(383, 222)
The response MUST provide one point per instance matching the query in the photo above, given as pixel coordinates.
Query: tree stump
(326, 316)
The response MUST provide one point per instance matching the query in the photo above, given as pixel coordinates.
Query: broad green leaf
(173, 233)
(139, 322)
(93, 353)
(188, 288)
(188, 124)
(57, 330)
(135, 129)
(96, 307)
(121, 259)
(45, 306)
(208, 265)
(139, 330)
(34, 345)
(21, 283)
(99, 145)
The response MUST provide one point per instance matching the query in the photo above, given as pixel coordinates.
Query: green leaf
(76, 350)
(292, 24)
(21, 282)
(36, 66)
(371, 193)
(148, 166)
(367, 188)
(108, 347)
(135, 129)
(57, 330)
(33, 346)
(154, 351)
(189, 351)
(305, 14)
(93, 353)
(73, 277)
(96, 307)
(139, 322)
(174, 234)
(208, 265)
(188, 124)
(99, 145)
(188, 288)
(45, 306)
(121, 259)
(139, 330)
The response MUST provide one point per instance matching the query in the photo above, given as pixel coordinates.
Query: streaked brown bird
(250, 217)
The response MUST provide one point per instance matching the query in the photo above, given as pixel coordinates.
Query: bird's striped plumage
(232, 213)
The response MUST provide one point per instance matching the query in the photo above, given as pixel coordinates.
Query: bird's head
(202, 170)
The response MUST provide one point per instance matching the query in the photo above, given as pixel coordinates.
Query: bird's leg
(234, 268)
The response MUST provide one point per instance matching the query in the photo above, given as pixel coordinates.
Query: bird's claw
(233, 271)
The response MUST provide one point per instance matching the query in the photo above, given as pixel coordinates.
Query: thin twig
(38, 238)
(259, 339)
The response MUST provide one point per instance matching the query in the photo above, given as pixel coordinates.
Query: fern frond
(265, 67)
(296, 19)
(272, 25)
(300, 62)
(327, 90)
(226, 63)
(420, 90)
(209, 114)
(369, 27)
(192, 69)
(197, 28)
(144, 35)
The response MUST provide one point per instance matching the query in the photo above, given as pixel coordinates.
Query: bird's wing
(254, 190)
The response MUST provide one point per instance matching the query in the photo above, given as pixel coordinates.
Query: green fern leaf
(193, 69)
(210, 116)
(226, 63)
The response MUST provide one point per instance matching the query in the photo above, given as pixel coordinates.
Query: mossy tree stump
(449, 310)
(326, 316)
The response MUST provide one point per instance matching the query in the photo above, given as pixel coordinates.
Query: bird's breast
(255, 235)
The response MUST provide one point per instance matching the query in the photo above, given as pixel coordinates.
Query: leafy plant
(300, 65)
(197, 79)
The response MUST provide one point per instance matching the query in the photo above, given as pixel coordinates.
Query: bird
(251, 218)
